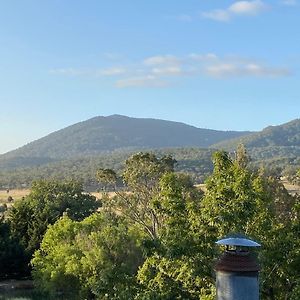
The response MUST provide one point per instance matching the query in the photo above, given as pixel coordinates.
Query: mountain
(106, 142)
(270, 143)
(113, 133)
(287, 134)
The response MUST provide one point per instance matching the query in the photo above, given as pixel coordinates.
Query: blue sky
(229, 65)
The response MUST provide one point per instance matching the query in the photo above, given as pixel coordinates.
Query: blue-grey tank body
(237, 285)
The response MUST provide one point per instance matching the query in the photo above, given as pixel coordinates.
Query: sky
(227, 65)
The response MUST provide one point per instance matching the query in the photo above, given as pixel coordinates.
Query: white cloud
(247, 7)
(142, 81)
(239, 8)
(203, 57)
(161, 70)
(289, 2)
(112, 71)
(232, 69)
(221, 69)
(69, 71)
(162, 60)
(169, 70)
(217, 15)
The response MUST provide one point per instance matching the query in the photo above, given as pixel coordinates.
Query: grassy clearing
(292, 188)
(98, 195)
(18, 194)
(15, 194)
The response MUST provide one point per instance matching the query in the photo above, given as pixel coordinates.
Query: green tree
(240, 201)
(95, 258)
(242, 157)
(12, 260)
(47, 201)
(177, 268)
(141, 179)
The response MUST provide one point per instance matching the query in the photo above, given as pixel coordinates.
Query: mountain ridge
(103, 134)
(287, 134)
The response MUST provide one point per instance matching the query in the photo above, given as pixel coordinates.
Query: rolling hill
(273, 142)
(106, 142)
(285, 135)
(113, 133)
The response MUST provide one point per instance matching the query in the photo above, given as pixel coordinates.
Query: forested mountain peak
(116, 132)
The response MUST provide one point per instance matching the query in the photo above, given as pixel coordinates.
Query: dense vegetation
(27, 220)
(194, 161)
(155, 239)
(287, 135)
(281, 141)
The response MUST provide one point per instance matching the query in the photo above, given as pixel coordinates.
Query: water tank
(237, 270)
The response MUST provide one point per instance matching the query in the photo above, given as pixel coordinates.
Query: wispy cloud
(161, 70)
(69, 71)
(239, 8)
(168, 71)
(247, 7)
(112, 71)
(203, 57)
(162, 60)
(217, 15)
(231, 69)
(289, 2)
(148, 81)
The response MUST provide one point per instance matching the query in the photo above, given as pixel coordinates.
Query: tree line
(194, 161)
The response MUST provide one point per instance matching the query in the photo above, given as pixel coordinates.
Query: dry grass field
(17, 194)
(292, 188)
(98, 195)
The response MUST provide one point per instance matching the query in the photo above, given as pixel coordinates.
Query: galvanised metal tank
(237, 270)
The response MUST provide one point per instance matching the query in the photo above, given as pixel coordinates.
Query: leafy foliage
(46, 203)
(141, 178)
(177, 268)
(11, 253)
(238, 200)
(97, 257)
(155, 239)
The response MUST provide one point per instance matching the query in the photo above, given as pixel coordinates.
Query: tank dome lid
(237, 240)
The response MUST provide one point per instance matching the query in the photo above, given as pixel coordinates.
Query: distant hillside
(272, 142)
(105, 134)
(79, 150)
(194, 161)
(287, 134)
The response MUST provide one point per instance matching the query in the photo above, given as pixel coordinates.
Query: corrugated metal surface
(234, 261)
(233, 287)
